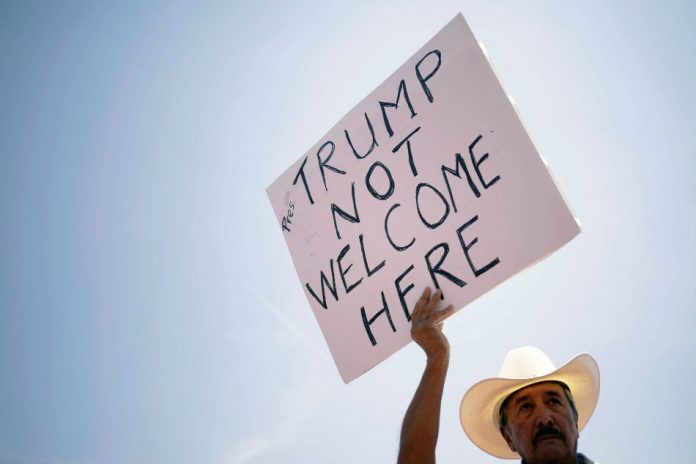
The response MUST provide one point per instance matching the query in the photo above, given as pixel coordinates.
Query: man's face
(540, 425)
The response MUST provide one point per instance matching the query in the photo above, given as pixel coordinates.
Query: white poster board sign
(431, 180)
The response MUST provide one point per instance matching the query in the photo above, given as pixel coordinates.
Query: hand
(426, 324)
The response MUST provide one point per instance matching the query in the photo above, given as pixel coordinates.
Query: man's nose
(543, 417)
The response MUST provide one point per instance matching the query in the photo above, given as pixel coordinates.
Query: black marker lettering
(478, 162)
(437, 269)
(342, 272)
(402, 293)
(364, 256)
(374, 140)
(444, 202)
(370, 187)
(467, 246)
(301, 173)
(385, 105)
(368, 323)
(325, 163)
(386, 231)
(354, 218)
(459, 163)
(422, 79)
(408, 148)
(325, 284)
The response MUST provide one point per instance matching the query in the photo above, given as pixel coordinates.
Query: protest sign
(431, 180)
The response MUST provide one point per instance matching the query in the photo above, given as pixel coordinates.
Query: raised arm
(422, 420)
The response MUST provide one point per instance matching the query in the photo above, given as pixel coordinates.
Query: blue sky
(149, 310)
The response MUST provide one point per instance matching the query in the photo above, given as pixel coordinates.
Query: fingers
(417, 313)
(434, 301)
(426, 305)
(439, 317)
(424, 298)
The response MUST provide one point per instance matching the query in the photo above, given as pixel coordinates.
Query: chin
(552, 453)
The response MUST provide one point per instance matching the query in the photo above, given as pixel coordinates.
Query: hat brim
(479, 410)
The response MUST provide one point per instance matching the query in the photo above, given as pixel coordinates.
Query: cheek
(523, 436)
(571, 429)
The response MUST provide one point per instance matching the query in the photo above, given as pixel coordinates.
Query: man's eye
(555, 400)
(525, 407)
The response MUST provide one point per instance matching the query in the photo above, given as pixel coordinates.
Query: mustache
(546, 430)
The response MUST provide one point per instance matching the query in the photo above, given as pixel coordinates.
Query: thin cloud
(300, 403)
(285, 321)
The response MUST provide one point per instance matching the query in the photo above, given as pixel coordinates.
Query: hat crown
(526, 362)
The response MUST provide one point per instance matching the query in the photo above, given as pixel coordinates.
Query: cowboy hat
(480, 409)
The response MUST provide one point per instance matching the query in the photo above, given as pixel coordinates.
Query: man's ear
(505, 435)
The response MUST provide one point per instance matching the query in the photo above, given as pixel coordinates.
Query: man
(532, 410)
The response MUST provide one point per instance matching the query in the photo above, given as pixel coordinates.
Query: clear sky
(149, 309)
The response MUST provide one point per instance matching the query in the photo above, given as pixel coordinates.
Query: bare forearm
(422, 420)
(421, 425)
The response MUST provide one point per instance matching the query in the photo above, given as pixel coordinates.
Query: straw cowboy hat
(480, 409)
